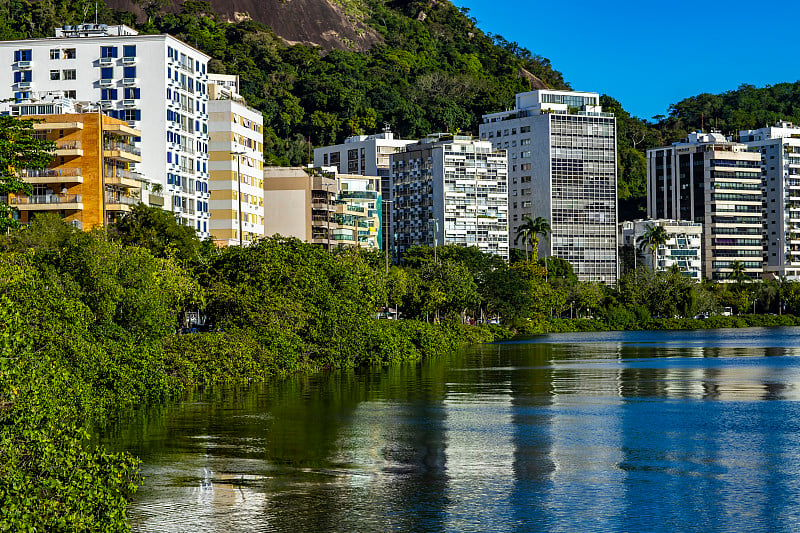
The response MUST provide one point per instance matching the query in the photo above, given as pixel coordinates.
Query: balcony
(129, 103)
(118, 202)
(23, 85)
(24, 65)
(106, 82)
(55, 202)
(50, 126)
(128, 60)
(124, 178)
(128, 81)
(69, 148)
(51, 175)
(122, 151)
(106, 60)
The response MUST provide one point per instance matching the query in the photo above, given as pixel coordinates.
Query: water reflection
(587, 433)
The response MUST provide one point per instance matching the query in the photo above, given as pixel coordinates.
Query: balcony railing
(119, 199)
(50, 172)
(68, 145)
(122, 147)
(44, 199)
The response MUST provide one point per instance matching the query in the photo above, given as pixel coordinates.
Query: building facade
(322, 207)
(155, 83)
(450, 189)
(562, 156)
(682, 249)
(711, 180)
(236, 165)
(89, 182)
(779, 147)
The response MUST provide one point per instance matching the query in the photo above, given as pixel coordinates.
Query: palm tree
(530, 230)
(737, 272)
(653, 237)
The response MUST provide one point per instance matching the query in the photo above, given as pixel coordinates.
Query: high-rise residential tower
(236, 164)
(709, 179)
(450, 189)
(156, 83)
(779, 147)
(562, 157)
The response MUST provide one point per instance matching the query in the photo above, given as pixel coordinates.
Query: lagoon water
(632, 431)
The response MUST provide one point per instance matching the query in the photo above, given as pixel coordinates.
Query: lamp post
(435, 222)
(239, 155)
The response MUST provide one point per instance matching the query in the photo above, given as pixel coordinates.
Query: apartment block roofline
(101, 37)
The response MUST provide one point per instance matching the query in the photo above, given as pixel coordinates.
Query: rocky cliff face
(331, 24)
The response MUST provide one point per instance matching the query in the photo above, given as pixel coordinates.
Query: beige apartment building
(322, 207)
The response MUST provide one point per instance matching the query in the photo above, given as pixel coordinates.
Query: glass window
(70, 75)
(108, 51)
(55, 74)
(129, 50)
(132, 93)
(22, 75)
(55, 53)
(106, 73)
(129, 72)
(108, 94)
(22, 55)
(69, 53)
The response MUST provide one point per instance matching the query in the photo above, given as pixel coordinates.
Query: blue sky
(650, 54)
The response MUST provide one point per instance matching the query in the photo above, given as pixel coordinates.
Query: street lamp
(239, 155)
(435, 222)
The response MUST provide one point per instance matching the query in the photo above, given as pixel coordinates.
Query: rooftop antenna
(95, 13)
(85, 12)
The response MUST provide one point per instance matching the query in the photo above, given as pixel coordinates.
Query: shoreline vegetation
(90, 323)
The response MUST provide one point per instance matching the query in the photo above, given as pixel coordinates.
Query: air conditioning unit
(129, 103)
(106, 83)
(106, 60)
(24, 85)
(128, 60)
(24, 64)
(128, 81)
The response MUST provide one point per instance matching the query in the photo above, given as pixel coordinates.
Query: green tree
(530, 230)
(654, 237)
(158, 231)
(20, 149)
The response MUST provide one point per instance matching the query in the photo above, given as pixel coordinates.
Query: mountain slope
(327, 23)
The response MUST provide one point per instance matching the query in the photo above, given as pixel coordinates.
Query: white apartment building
(450, 189)
(562, 157)
(709, 179)
(236, 164)
(779, 147)
(683, 247)
(156, 83)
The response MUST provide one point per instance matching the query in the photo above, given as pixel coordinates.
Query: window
(22, 55)
(69, 53)
(22, 75)
(129, 72)
(55, 53)
(71, 94)
(131, 115)
(108, 94)
(525, 129)
(132, 93)
(108, 51)
(70, 75)
(525, 166)
(106, 73)
(55, 74)
(129, 50)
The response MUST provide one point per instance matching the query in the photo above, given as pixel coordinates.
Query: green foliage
(158, 231)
